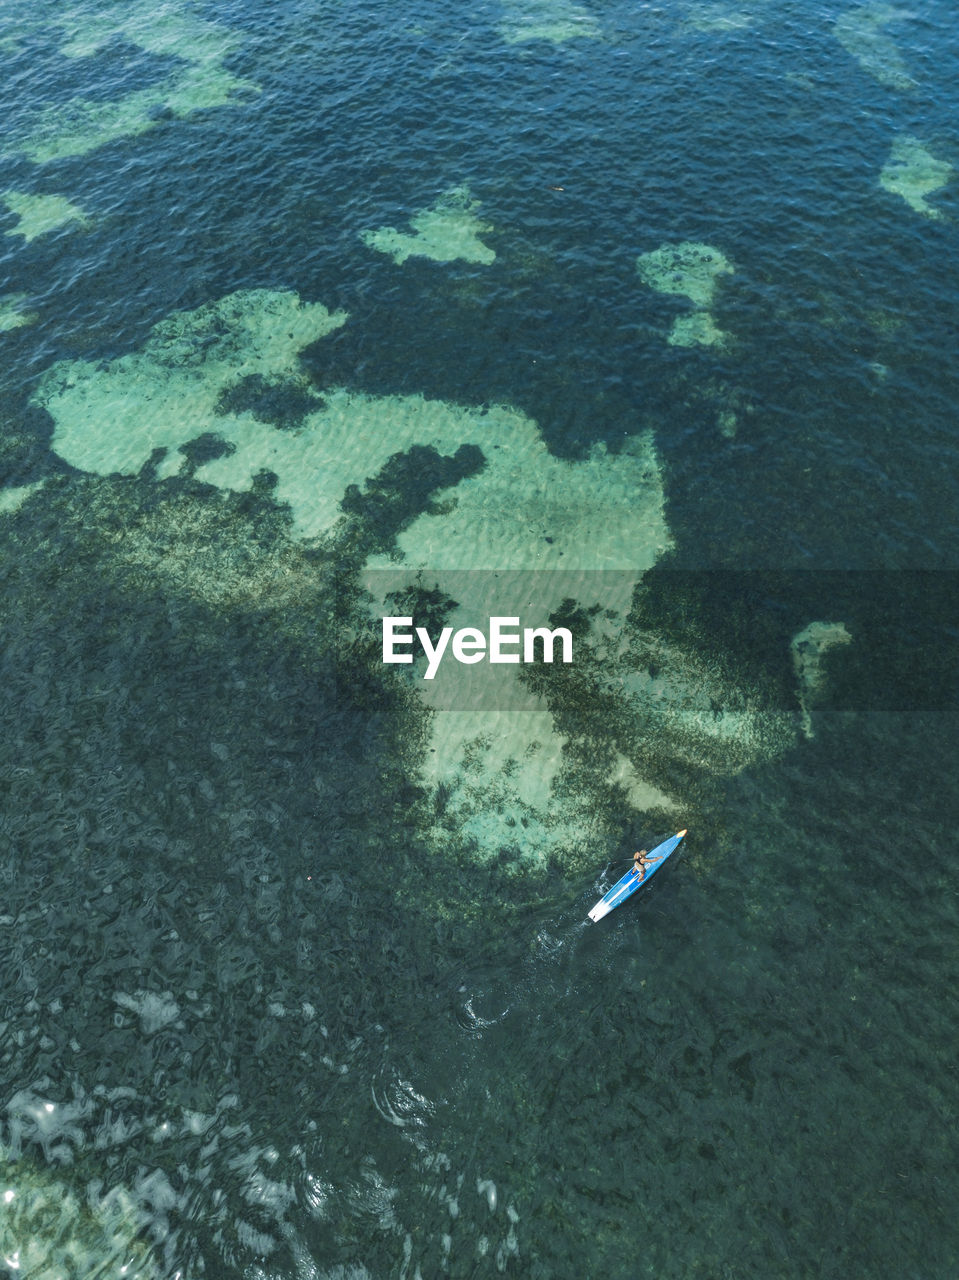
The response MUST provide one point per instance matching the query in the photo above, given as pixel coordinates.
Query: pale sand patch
(641, 795)
(861, 32)
(809, 646)
(12, 315)
(13, 499)
(536, 529)
(79, 126)
(689, 269)
(40, 214)
(528, 510)
(446, 231)
(914, 173)
(111, 417)
(696, 330)
(555, 21)
(171, 30)
(717, 18)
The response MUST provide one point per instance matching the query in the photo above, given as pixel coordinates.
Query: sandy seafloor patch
(638, 323)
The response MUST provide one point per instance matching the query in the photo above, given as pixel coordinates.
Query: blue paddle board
(632, 880)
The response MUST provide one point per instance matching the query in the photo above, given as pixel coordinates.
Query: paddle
(617, 862)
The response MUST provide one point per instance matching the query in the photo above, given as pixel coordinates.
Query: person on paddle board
(640, 863)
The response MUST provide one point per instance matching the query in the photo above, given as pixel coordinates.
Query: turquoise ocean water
(640, 318)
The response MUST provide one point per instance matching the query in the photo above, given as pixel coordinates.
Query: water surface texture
(636, 320)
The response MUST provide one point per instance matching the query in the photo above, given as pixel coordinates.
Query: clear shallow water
(285, 1024)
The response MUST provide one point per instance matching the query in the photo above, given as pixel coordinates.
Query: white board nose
(601, 909)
